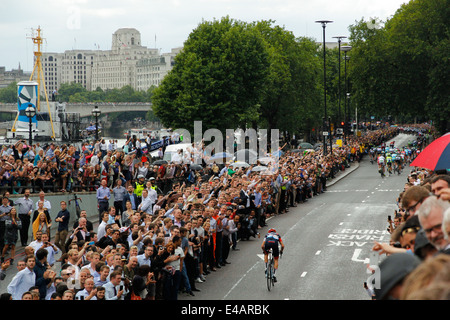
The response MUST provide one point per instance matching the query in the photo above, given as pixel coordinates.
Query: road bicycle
(381, 170)
(77, 205)
(270, 270)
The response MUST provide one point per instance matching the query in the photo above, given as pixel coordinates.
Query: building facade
(15, 75)
(127, 63)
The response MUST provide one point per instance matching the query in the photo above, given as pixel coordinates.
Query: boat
(139, 133)
(31, 122)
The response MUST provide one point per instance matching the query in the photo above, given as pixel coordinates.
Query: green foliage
(403, 68)
(9, 93)
(218, 78)
(233, 74)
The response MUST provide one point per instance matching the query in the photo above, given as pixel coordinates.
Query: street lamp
(30, 112)
(326, 127)
(346, 49)
(96, 113)
(339, 83)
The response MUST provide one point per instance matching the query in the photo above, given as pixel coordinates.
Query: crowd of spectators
(170, 226)
(416, 265)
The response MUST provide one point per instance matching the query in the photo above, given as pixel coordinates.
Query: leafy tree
(218, 78)
(9, 93)
(292, 90)
(403, 68)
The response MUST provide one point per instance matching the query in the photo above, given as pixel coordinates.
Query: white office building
(127, 63)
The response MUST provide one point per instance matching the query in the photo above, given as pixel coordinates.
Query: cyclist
(271, 241)
(389, 162)
(372, 154)
(380, 162)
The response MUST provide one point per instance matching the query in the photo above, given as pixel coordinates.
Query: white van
(172, 149)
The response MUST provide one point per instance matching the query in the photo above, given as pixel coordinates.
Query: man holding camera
(114, 289)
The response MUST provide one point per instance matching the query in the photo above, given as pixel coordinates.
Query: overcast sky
(163, 24)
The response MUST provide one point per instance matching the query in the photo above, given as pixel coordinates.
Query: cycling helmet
(272, 230)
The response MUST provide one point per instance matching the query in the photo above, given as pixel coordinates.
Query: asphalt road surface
(328, 241)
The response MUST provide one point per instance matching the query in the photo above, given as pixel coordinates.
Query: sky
(164, 24)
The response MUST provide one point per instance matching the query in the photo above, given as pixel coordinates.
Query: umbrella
(267, 173)
(306, 145)
(239, 164)
(246, 155)
(195, 167)
(436, 156)
(296, 150)
(221, 156)
(259, 168)
(159, 162)
(266, 160)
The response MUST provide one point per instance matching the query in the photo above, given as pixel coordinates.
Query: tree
(291, 93)
(9, 93)
(402, 69)
(218, 78)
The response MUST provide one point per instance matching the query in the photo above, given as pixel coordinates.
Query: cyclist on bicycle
(372, 154)
(381, 159)
(389, 162)
(271, 241)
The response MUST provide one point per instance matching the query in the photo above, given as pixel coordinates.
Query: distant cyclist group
(391, 159)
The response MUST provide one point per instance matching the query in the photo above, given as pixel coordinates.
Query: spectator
(12, 225)
(24, 279)
(62, 218)
(103, 196)
(431, 215)
(24, 210)
(114, 290)
(43, 276)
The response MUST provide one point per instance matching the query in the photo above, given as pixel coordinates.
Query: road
(328, 240)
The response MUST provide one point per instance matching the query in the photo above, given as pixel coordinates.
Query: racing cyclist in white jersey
(381, 162)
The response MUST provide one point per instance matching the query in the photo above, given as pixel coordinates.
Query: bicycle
(381, 171)
(77, 205)
(270, 270)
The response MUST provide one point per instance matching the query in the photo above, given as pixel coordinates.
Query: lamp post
(30, 112)
(346, 49)
(339, 78)
(96, 113)
(325, 125)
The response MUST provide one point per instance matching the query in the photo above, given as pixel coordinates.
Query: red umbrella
(436, 156)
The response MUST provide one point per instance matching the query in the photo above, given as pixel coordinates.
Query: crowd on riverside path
(170, 225)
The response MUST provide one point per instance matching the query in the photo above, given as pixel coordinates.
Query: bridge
(85, 109)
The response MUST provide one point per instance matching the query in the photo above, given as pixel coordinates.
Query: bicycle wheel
(269, 273)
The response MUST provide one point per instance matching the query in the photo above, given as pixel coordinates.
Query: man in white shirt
(145, 258)
(37, 244)
(114, 289)
(51, 249)
(146, 204)
(91, 267)
(23, 280)
(47, 203)
(101, 227)
(88, 293)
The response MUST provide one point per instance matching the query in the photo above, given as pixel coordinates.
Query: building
(15, 75)
(151, 71)
(127, 63)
